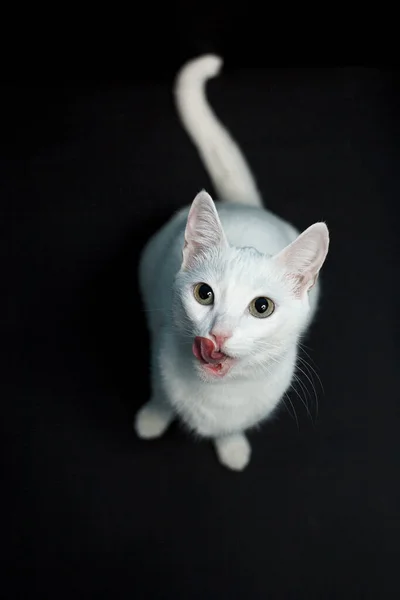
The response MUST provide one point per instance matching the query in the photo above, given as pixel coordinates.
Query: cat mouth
(213, 361)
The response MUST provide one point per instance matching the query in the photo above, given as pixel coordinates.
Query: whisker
(294, 412)
(303, 401)
(312, 385)
(306, 364)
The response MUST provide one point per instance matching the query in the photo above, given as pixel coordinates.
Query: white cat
(228, 289)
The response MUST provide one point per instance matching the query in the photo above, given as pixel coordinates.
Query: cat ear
(203, 229)
(304, 257)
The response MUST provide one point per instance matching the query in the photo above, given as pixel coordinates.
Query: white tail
(225, 163)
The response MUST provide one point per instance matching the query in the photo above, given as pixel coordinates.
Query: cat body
(228, 289)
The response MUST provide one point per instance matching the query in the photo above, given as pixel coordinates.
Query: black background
(93, 160)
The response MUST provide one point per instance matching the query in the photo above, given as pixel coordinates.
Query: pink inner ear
(303, 282)
(203, 228)
(304, 257)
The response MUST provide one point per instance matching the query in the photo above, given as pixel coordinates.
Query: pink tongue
(204, 350)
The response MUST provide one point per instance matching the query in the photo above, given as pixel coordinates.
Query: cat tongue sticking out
(237, 281)
(205, 351)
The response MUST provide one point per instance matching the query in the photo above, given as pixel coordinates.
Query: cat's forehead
(238, 269)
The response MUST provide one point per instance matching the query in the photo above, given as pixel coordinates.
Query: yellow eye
(261, 307)
(203, 294)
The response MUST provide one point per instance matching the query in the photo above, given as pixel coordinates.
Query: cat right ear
(304, 257)
(203, 229)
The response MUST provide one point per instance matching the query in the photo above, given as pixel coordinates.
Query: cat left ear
(304, 257)
(203, 229)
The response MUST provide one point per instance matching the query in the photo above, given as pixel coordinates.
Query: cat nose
(219, 338)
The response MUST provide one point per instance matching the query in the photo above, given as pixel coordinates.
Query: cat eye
(203, 294)
(261, 307)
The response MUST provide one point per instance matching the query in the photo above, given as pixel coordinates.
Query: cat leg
(153, 419)
(233, 451)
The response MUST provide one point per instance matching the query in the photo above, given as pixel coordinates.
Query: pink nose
(220, 338)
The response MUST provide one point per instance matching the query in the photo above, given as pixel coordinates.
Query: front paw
(233, 451)
(152, 420)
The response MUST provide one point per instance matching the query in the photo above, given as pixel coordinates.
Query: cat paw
(152, 421)
(233, 451)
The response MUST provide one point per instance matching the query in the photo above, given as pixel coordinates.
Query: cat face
(241, 309)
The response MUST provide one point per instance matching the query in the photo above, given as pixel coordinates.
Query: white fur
(242, 251)
(219, 152)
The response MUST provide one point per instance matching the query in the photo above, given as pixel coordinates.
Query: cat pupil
(205, 291)
(261, 305)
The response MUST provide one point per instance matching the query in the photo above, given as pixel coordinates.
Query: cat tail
(220, 154)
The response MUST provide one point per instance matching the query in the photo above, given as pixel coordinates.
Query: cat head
(240, 309)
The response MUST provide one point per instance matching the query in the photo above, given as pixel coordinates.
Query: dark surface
(88, 173)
